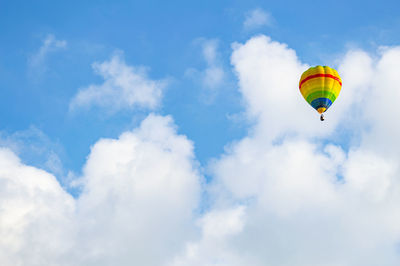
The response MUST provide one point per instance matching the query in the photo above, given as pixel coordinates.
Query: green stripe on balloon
(320, 94)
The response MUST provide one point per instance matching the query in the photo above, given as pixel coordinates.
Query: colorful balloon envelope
(320, 86)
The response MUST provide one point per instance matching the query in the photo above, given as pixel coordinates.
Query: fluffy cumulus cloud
(124, 87)
(218, 227)
(294, 191)
(140, 194)
(310, 198)
(36, 215)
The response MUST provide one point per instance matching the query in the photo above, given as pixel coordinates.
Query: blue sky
(134, 128)
(161, 36)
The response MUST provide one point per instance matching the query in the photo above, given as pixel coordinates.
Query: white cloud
(310, 202)
(283, 195)
(268, 75)
(124, 87)
(257, 18)
(300, 213)
(218, 227)
(140, 196)
(139, 199)
(35, 215)
(380, 104)
(37, 62)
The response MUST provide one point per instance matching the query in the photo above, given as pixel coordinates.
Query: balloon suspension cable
(322, 117)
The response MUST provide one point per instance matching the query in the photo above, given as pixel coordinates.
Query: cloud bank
(289, 193)
(310, 201)
(139, 199)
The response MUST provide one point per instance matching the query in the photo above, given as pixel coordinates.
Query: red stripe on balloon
(319, 76)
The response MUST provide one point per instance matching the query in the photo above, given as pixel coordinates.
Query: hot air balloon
(320, 86)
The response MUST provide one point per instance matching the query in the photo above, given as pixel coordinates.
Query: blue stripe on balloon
(321, 102)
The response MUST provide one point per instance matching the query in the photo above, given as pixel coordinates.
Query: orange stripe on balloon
(318, 76)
